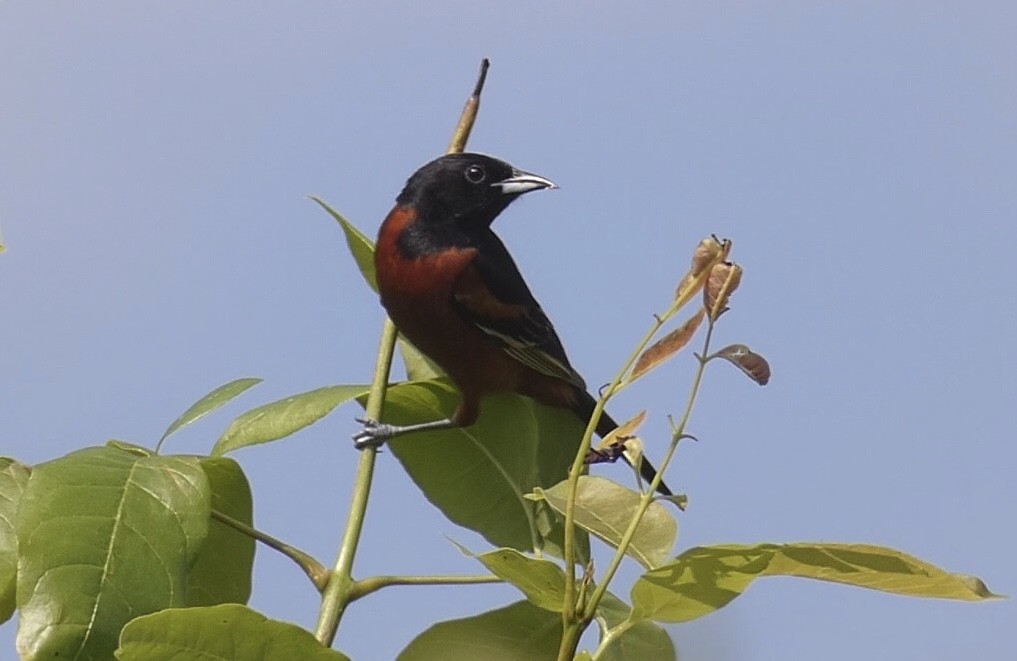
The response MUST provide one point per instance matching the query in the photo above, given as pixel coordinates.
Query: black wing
(493, 296)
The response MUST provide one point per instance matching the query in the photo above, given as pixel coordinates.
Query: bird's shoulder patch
(472, 293)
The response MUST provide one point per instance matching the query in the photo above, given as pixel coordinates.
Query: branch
(315, 571)
(366, 586)
(338, 592)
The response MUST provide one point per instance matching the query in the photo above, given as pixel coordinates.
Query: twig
(338, 592)
(315, 571)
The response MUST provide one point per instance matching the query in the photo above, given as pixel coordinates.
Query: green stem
(337, 592)
(315, 571)
(575, 616)
(612, 634)
(366, 586)
(570, 616)
(647, 497)
(568, 613)
(570, 640)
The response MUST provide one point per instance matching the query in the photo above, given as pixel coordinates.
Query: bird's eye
(475, 174)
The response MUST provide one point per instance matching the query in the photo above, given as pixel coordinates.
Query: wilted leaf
(605, 509)
(13, 479)
(624, 431)
(752, 364)
(542, 581)
(643, 641)
(222, 571)
(283, 417)
(361, 247)
(104, 535)
(210, 402)
(709, 252)
(706, 578)
(666, 347)
(225, 633)
(723, 281)
(520, 632)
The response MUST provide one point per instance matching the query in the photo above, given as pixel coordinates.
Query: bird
(453, 290)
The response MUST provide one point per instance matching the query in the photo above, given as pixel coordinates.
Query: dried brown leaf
(624, 431)
(751, 363)
(707, 253)
(666, 346)
(723, 280)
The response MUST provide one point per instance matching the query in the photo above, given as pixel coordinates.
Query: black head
(468, 190)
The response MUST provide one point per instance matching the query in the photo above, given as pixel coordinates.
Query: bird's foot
(609, 455)
(373, 434)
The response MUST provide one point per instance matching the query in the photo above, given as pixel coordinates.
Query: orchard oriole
(452, 289)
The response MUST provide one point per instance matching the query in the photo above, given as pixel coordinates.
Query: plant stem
(469, 115)
(315, 571)
(366, 586)
(339, 590)
(574, 621)
(570, 617)
(612, 634)
(647, 497)
(336, 596)
(570, 640)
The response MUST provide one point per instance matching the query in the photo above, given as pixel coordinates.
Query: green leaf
(551, 525)
(284, 417)
(210, 402)
(642, 641)
(520, 632)
(224, 633)
(542, 581)
(130, 448)
(479, 476)
(222, 571)
(104, 535)
(361, 247)
(13, 479)
(604, 509)
(706, 578)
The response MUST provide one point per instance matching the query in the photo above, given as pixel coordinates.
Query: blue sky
(154, 163)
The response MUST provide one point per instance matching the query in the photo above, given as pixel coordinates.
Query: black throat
(420, 238)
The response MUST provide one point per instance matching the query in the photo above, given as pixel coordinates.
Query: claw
(373, 435)
(610, 454)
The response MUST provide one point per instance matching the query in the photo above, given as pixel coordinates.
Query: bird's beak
(523, 182)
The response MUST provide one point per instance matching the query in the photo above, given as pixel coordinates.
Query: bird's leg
(374, 433)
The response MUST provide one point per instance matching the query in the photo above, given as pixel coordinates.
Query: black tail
(584, 409)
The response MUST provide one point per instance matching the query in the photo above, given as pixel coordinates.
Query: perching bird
(453, 290)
